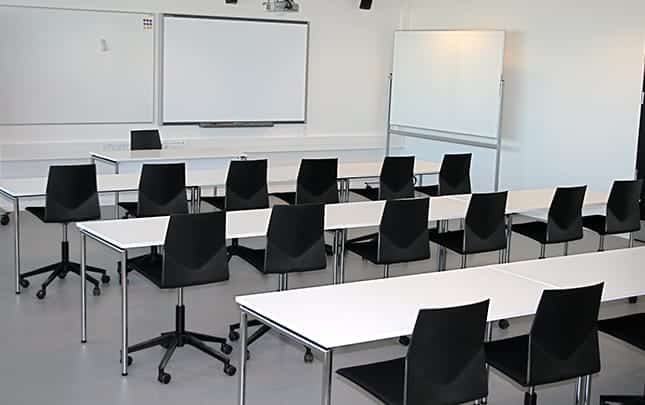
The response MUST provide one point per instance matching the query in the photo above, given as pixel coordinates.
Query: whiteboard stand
(447, 139)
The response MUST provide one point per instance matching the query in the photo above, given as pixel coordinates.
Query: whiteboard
(71, 66)
(448, 81)
(234, 70)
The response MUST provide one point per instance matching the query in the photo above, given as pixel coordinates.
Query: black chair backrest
(195, 250)
(246, 185)
(565, 214)
(145, 139)
(397, 178)
(317, 181)
(563, 342)
(485, 223)
(446, 361)
(623, 209)
(454, 175)
(295, 239)
(403, 232)
(162, 190)
(71, 194)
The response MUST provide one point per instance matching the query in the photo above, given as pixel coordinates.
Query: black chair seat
(628, 328)
(510, 356)
(366, 247)
(39, 212)
(432, 191)
(384, 380)
(535, 230)
(131, 208)
(288, 197)
(217, 202)
(150, 266)
(596, 223)
(371, 193)
(453, 240)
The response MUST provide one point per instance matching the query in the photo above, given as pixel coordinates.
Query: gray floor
(42, 360)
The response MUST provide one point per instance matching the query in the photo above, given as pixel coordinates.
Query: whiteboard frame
(497, 146)
(95, 10)
(228, 18)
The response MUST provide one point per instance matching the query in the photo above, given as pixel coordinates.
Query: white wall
(350, 58)
(573, 73)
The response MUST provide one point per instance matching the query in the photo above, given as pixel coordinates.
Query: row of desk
(124, 235)
(19, 189)
(331, 317)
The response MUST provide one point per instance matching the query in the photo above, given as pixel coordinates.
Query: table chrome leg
(335, 259)
(566, 249)
(587, 397)
(243, 348)
(83, 292)
(578, 391)
(631, 239)
(509, 236)
(16, 246)
(198, 199)
(116, 195)
(327, 377)
(124, 314)
(343, 239)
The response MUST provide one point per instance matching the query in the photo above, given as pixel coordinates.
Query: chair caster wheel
(4, 220)
(309, 356)
(62, 275)
(96, 292)
(226, 349)
(163, 377)
(230, 370)
(105, 279)
(633, 300)
(503, 324)
(24, 283)
(130, 360)
(41, 294)
(404, 341)
(233, 336)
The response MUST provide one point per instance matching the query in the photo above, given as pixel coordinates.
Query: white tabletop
(144, 232)
(622, 271)
(538, 199)
(173, 154)
(354, 313)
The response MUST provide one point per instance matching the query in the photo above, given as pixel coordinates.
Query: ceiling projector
(281, 6)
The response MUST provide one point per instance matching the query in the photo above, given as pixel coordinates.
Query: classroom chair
(562, 344)
(454, 176)
(71, 196)
(622, 215)
(402, 236)
(484, 229)
(145, 139)
(162, 191)
(629, 329)
(194, 254)
(564, 220)
(395, 181)
(445, 363)
(295, 244)
(246, 189)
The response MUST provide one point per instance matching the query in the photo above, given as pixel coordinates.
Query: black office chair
(71, 196)
(564, 220)
(402, 236)
(445, 364)
(484, 228)
(317, 183)
(395, 181)
(194, 254)
(162, 191)
(454, 177)
(246, 189)
(623, 212)
(145, 139)
(562, 343)
(295, 244)
(629, 329)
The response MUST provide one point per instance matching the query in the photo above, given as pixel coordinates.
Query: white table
(355, 313)
(124, 234)
(116, 158)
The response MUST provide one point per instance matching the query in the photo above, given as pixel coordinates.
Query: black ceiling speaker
(366, 4)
